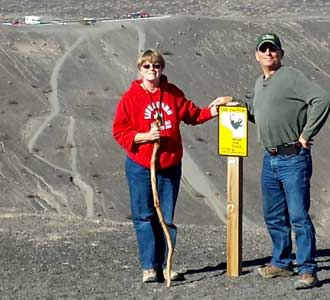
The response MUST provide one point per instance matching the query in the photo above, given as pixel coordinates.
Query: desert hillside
(60, 84)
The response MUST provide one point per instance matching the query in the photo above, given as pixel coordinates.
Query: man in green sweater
(288, 110)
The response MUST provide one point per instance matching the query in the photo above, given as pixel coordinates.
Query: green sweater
(287, 105)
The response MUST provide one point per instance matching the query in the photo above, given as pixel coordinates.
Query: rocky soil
(49, 256)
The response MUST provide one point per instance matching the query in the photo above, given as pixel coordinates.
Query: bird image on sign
(234, 122)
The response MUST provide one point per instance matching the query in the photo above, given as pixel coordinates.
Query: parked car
(144, 15)
(16, 22)
(88, 21)
(136, 15)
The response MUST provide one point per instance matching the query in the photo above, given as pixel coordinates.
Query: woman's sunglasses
(148, 66)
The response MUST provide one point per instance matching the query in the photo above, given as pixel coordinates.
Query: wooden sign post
(233, 143)
(234, 216)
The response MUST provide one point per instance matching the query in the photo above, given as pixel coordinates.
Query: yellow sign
(233, 130)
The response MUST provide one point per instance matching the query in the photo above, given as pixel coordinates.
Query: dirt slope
(60, 85)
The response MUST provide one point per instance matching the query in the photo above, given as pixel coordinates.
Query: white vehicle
(88, 21)
(32, 20)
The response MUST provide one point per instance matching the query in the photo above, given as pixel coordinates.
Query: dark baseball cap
(269, 38)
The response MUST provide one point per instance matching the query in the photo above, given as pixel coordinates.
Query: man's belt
(285, 149)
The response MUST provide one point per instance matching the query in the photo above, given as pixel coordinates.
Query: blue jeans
(285, 182)
(150, 236)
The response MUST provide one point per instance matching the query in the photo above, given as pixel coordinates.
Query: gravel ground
(60, 257)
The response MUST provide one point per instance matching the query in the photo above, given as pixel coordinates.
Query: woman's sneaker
(149, 275)
(174, 275)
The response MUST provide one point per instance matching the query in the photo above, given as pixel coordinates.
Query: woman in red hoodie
(148, 99)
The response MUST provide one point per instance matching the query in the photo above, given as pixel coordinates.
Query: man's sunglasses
(148, 66)
(263, 48)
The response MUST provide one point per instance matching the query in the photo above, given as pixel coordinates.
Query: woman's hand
(221, 101)
(151, 136)
(214, 105)
(154, 132)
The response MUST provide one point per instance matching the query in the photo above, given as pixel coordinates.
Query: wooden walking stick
(153, 161)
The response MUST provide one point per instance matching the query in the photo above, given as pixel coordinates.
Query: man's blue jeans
(150, 237)
(285, 182)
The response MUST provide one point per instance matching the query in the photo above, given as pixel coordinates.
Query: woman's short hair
(152, 56)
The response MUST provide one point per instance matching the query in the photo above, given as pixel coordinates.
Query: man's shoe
(271, 271)
(149, 275)
(174, 275)
(306, 281)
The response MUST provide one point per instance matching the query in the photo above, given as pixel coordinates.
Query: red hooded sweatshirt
(135, 114)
